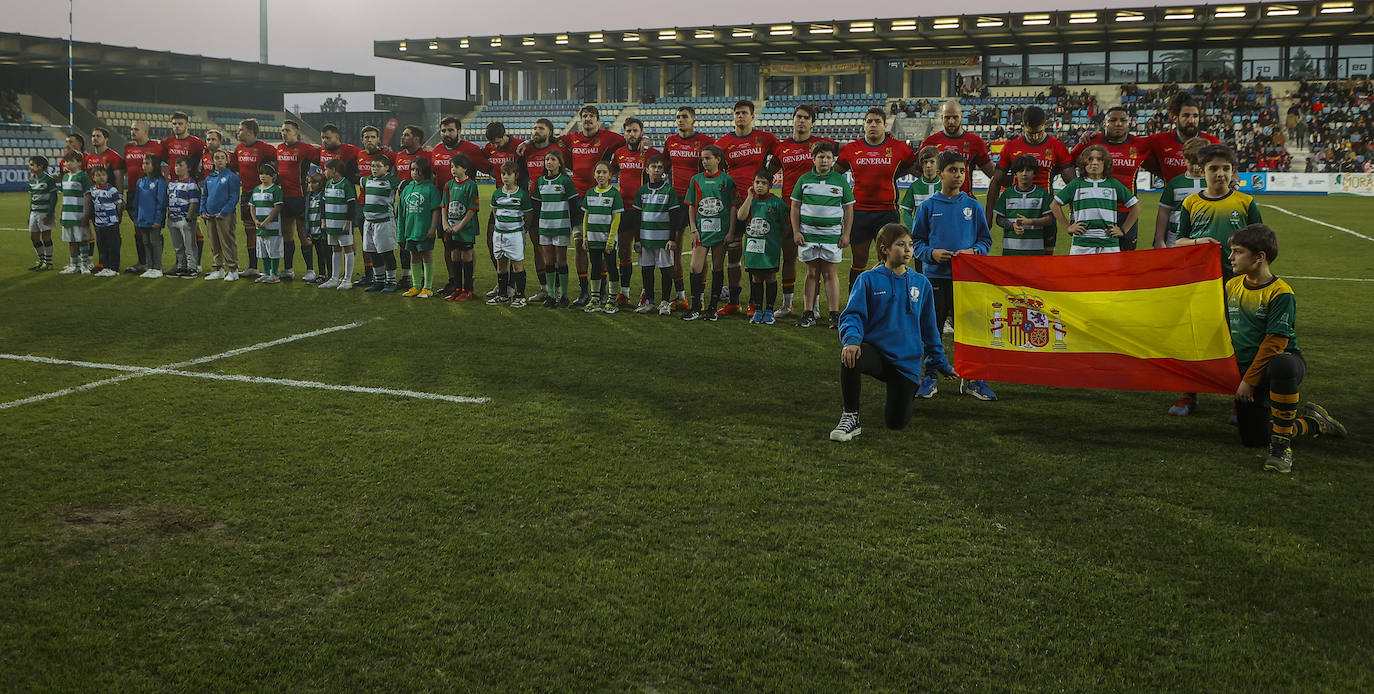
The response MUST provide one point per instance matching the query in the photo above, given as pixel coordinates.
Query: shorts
(293, 208)
(508, 245)
(77, 234)
(36, 224)
(340, 240)
(246, 212)
(868, 222)
(560, 240)
(1092, 250)
(655, 257)
(629, 223)
(828, 252)
(270, 246)
(419, 246)
(379, 237)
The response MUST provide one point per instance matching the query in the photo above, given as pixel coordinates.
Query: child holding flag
(1093, 198)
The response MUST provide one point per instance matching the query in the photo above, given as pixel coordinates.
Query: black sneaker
(834, 321)
(448, 288)
(132, 270)
(1326, 424)
(711, 316)
(36, 266)
(564, 303)
(404, 283)
(692, 314)
(848, 427)
(807, 320)
(582, 299)
(550, 302)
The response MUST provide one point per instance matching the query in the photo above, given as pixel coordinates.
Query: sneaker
(250, 272)
(848, 427)
(768, 317)
(928, 388)
(808, 320)
(189, 274)
(453, 295)
(152, 274)
(548, 302)
(563, 302)
(465, 296)
(131, 270)
(86, 270)
(645, 308)
(494, 291)
(271, 279)
(107, 272)
(583, 298)
(366, 281)
(309, 276)
(425, 293)
(498, 299)
(834, 323)
(413, 291)
(517, 302)
(784, 312)
(375, 287)
(728, 309)
(401, 282)
(345, 285)
(215, 275)
(259, 279)
(231, 276)
(680, 305)
(692, 314)
(449, 288)
(287, 275)
(1185, 406)
(331, 283)
(592, 307)
(622, 299)
(71, 269)
(711, 316)
(1280, 455)
(751, 310)
(39, 266)
(389, 288)
(610, 306)
(665, 308)
(755, 317)
(320, 279)
(539, 296)
(978, 389)
(1326, 424)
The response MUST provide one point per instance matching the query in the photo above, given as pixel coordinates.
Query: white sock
(338, 265)
(348, 265)
(787, 300)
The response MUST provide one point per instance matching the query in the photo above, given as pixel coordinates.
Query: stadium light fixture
(1337, 7)
(1032, 20)
(561, 39)
(630, 38)
(1231, 12)
(401, 47)
(671, 56)
(528, 41)
(638, 57)
(462, 43)
(1130, 16)
(1179, 15)
(667, 35)
(496, 42)
(946, 23)
(742, 33)
(1083, 18)
(606, 57)
(822, 29)
(780, 30)
(1280, 11)
(704, 34)
(903, 25)
(596, 38)
(990, 22)
(433, 45)
(860, 27)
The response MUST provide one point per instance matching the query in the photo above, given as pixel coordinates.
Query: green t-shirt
(1094, 205)
(1172, 197)
(555, 196)
(823, 199)
(601, 208)
(656, 204)
(1031, 204)
(418, 201)
(263, 200)
(43, 194)
(918, 192)
(74, 187)
(763, 233)
(508, 209)
(337, 195)
(712, 197)
(379, 195)
(1253, 312)
(459, 198)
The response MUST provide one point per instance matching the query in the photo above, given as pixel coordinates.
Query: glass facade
(851, 84)
(746, 77)
(646, 81)
(1045, 68)
(584, 84)
(712, 79)
(1005, 70)
(815, 84)
(1086, 68)
(1216, 63)
(778, 86)
(1260, 64)
(1312, 62)
(1354, 60)
(1128, 66)
(888, 76)
(617, 84)
(1174, 65)
(679, 79)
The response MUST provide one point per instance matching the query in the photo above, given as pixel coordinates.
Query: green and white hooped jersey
(823, 199)
(42, 194)
(1031, 204)
(379, 194)
(74, 188)
(509, 210)
(1175, 192)
(336, 199)
(263, 200)
(314, 215)
(656, 204)
(918, 192)
(1094, 204)
(555, 197)
(602, 206)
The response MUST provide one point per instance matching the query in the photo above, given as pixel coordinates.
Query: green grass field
(648, 505)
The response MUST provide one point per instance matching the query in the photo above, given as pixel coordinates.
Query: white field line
(139, 371)
(1334, 279)
(1329, 225)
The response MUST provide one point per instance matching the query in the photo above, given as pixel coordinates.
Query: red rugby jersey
(630, 165)
(744, 156)
(496, 157)
(1166, 158)
(344, 152)
(442, 159)
(586, 152)
(109, 159)
(1052, 155)
(974, 149)
(796, 160)
(874, 168)
(248, 157)
(1127, 156)
(403, 159)
(174, 149)
(293, 163)
(684, 157)
(534, 160)
(133, 160)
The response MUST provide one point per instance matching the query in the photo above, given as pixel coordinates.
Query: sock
(735, 291)
(547, 279)
(348, 259)
(677, 284)
(200, 249)
(698, 286)
(338, 264)
(666, 275)
(520, 283)
(770, 294)
(627, 272)
(543, 276)
(756, 292)
(252, 257)
(47, 252)
(647, 274)
(389, 263)
(469, 270)
(458, 279)
(717, 280)
(787, 288)
(306, 258)
(405, 264)
(612, 270)
(429, 274)
(503, 280)
(418, 272)
(854, 271)
(322, 257)
(38, 251)
(454, 278)
(581, 280)
(563, 281)
(367, 267)
(1283, 411)
(289, 253)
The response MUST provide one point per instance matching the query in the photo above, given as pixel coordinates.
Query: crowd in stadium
(1244, 117)
(1334, 121)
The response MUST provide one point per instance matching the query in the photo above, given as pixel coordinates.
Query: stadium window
(746, 76)
(854, 84)
(1260, 64)
(1173, 65)
(646, 81)
(1312, 62)
(617, 83)
(1005, 70)
(1128, 66)
(1354, 60)
(926, 83)
(1216, 63)
(1086, 68)
(778, 86)
(554, 80)
(1045, 68)
(679, 79)
(816, 84)
(888, 76)
(712, 78)
(584, 84)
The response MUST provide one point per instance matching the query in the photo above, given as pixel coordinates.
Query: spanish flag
(1146, 320)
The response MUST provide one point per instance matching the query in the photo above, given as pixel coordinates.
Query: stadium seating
(1244, 117)
(21, 141)
(840, 119)
(120, 115)
(519, 116)
(715, 115)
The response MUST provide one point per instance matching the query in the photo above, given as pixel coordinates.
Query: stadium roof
(1046, 31)
(96, 59)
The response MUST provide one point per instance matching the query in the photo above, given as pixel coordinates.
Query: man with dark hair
(181, 143)
(1166, 149)
(293, 163)
(138, 147)
(1128, 154)
(684, 156)
(75, 142)
(629, 160)
(746, 151)
(1037, 142)
(956, 138)
(249, 155)
(876, 161)
(588, 146)
(794, 157)
(102, 155)
(441, 157)
(372, 148)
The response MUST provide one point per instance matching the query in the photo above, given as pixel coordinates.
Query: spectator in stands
(10, 111)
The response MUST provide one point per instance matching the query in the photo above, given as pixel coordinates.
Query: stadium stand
(715, 114)
(840, 119)
(1332, 121)
(1244, 117)
(119, 115)
(20, 141)
(519, 116)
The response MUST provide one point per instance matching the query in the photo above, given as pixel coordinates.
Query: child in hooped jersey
(710, 195)
(765, 217)
(1176, 190)
(340, 201)
(266, 204)
(511, 213)
(107, 205)
(75, 190)
(1093, 198)
(379, 223)
(314, 225)
(924, 186)
(150, 213)
(557, 200)
(889, 331)
(659, 216)
(602, 209)
(42, 211)
(461, 205)
(1023, 210)
(822, 214)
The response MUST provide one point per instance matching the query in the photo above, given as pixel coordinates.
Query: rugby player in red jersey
(183, 144)
(955, 138)
(684, 157)
(1052, 155)
(532, 153)
(589, 145)
(441, 157)
(746, 150)
(372, 148)
(876, 161)
(102, 155)
(249, 153)
(293, 163)
(1166, 148)
(412, 147)
(138, 147)
(629, 160)
(1128, 152)
(793, 157)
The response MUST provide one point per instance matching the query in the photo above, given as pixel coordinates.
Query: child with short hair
(888, 330)
(1262, 314)
(222, 188)
(822, 214)
(183, 205)
(75, 189)
(1023, 210)
(710, 195)
(925, 185)
(557, 200)
(950, 223)
(765, 218)
(107, 205)
(266, 201)
(314, 226)
(340, 201)
(1176, 190)
(150, 213)
(1093, 198)
(659, 210)
(42, 211)
(601, 212)
(460, 226)
(512, 213)
(379, 222)
(419, 226)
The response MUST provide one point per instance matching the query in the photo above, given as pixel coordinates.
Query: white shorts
(36, 224)
(1092, 250)
(655, 257)
(270, 246)
(829, 252)
(76, 234)
(560, 241)
(510, 246)
(340, 240)
(379, 237)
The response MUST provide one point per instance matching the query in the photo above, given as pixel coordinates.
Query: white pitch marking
(1318, 221)
(1335, 279)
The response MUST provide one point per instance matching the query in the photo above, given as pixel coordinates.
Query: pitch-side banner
(1145, 320)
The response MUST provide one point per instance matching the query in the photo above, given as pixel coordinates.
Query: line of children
(266, 203)
(1093, 199)
(107, 207)
(512, 213)
(822, 214)
(659, 214)
(419, 219)
(710, 195)
(222, 187)
(380, 236)
(765, 216)
(461, 206)
(1023, 210)
(602, 211)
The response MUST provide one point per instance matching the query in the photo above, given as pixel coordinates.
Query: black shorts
(293, 208)
(629, 222)
(868, 222)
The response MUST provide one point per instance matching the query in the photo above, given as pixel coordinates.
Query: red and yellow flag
(1146, 320)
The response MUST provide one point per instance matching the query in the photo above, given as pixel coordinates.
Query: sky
(338, 35)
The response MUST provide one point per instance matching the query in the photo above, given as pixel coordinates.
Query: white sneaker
(152, 274)
(107, 272)
(231, 276)
(644, 308)
(665, 308)
(260, 279)
(309, 276)
(540, 295)
(331, 283)
(287, 275)
(87, 270)
(784, 312)
(494, 291)
(345, 285)
(215, 275)
(71, 269)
